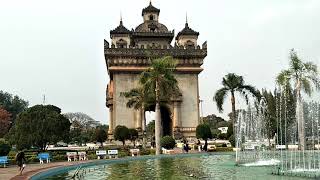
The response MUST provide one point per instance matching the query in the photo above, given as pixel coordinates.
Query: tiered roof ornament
(150, 9)
(120, 29)
(187, 30)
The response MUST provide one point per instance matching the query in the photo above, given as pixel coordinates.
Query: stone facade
(132, 52)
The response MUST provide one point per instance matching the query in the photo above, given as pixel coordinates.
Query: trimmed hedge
(4, 148)
(168, 142)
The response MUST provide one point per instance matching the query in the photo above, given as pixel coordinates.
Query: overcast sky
(56, 47)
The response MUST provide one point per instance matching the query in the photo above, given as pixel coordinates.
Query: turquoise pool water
(214, 166)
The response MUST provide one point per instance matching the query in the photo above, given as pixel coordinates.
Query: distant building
(223, 130)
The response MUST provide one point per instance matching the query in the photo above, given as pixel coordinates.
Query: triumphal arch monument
(131, 51)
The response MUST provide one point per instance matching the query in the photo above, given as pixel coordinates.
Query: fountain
(295, 149)
(300, 158)
(252, 143)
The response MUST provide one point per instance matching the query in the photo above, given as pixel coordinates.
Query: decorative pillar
(143, 120)
(176, 116)
(110, 120)
(138, 119)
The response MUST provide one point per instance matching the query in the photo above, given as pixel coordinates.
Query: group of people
(201, 148)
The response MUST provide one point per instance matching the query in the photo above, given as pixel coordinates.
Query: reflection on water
(193, 167)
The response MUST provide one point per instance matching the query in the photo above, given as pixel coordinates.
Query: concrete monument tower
(131, 52)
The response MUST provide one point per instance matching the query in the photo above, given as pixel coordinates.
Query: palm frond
(295, 63)
(232, 81)
(284, 77)
(306, 86)
(311, 68)
(219, 97)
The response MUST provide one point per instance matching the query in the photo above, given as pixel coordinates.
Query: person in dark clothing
(199, 145)
(153, 142)
(205, 147)
(21, 161)
(187, 147)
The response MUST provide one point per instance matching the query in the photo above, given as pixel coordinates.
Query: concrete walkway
(12, 172)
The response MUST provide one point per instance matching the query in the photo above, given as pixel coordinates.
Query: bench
(167, 151)
(82, 156)
(113, 154)
(4, 160)
(280, 147)
(135, 152)
(71, 155)
(44, 156)
(101, 154)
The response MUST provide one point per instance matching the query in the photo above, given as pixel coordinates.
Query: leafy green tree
(168, 142)
(232, 140)
(4, 148)
(121, 133)
(5, 121)
(203, 132)
(101, 135)
(133, 135)
(303, 76)
(233, 83)
(82, 120)
(38, 126)
(150, 128)
(13, 104)
(159, 79)
(214, 122)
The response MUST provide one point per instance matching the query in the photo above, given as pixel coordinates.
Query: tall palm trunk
(144, 140)
(300, 118)
(233, 120)
(158, 121)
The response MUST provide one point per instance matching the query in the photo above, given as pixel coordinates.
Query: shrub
(232, 140)
(222, 136)
(145, 151)
(152, 151)
(203, 131)
(224, 149)
(168, 142)
(92, 156)
(121, 133)
(4, 148)
(59, 157)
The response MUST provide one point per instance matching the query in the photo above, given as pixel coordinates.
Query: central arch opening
(166, 121)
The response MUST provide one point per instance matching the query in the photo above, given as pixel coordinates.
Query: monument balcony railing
(146, 62)
(155, 33)
(156, 52)
(187, 129)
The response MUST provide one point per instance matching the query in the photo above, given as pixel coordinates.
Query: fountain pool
(186, 166)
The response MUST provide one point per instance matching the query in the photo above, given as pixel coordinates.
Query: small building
(223, 130)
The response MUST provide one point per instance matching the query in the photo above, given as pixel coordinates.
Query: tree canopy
(101, 135)
(82, 120)
(5, 121)
(203, 132)
(38, 126)
(133, 135)
(121, 133)
(13, 104)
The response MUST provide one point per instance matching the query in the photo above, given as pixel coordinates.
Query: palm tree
(159, 80)
(303, 76)
(233, 83)
(138, 100)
